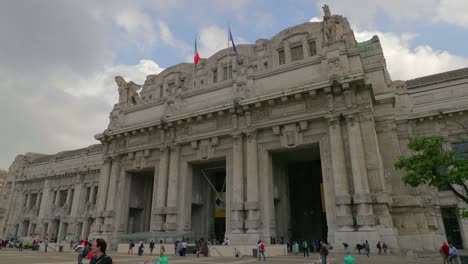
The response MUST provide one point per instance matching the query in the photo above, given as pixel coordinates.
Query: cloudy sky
(58, 58)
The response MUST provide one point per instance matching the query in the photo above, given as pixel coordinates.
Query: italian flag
(196, 58)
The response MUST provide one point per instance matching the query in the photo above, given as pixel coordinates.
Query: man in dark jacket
(99, 251)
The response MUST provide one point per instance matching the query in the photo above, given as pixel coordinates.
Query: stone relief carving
(128, 94)
(332, 28)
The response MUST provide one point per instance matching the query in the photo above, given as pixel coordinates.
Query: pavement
(12, 256)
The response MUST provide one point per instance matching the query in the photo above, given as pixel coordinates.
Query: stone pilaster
(77, 198)
(173, 184)
(28, 200)
(237, 207)
(84, 230)
(69, 196)
(159, 209)
(38, 199)
(342, 195)
(362, 196)
(92, 194)
(112, 191)
(57, 197)
(103, 191)
(252, 204)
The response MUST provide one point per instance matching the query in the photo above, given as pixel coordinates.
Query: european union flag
(232, 41)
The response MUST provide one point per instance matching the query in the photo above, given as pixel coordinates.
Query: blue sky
(58, 58)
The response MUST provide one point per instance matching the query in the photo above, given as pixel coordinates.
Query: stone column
(77, 198)
(237, 207)
(161, 191)
(305, 48)
(57, 197)
(92, 194)
(28, 200)
(102, 192)
(112, 191)
(30, 231)
(49, 230)
(69, 196)
(38, 199)
(362, 197)
(344, 216)
(253, 222)
(84, 230)
(173, 184)
(59, 233)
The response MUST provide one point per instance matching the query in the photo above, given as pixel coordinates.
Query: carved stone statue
(332, 27)
(128, 91)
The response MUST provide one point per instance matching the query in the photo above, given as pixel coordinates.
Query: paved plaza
(30, 257)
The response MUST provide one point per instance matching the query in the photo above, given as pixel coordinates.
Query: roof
(444, 76)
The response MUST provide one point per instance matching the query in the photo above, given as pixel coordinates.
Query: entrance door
(208, 217)
(452, 228)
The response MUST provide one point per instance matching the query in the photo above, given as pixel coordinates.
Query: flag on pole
(196, 58)
(232, 41)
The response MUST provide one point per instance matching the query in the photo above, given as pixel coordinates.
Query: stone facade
(310, 93)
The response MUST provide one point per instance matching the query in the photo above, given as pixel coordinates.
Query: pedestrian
(323, 252)
(99, 248)
(445, 252)
(379, 247)
(162, 258)
(261, 250)
(176, 247)
(367, 248)
(184, 247)
(296, 248)
(161, 246)
(140, 248)
(46, 244)
(151, 245)
(385, 247)
(71, 245)
(305, 248)
(453, 253)
(20, 245)
(131, 245)
(346, 248)
(315, 245)
(82, 251)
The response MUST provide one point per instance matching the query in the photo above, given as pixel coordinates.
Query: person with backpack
(323, 252)
(131, 245)
(261, 250)
(305, 247)
(141, 247)
(379, 247)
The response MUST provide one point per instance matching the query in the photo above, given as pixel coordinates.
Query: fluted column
(253, 214)
(161, 191)
(173, 184)
(344, 216)
(103, 190)
(362, 197)
(237, 222)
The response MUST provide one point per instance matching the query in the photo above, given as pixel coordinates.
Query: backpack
(132, 244)
(304, 245)
(262, 246)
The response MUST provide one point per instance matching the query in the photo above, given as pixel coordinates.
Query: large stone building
(293, 138)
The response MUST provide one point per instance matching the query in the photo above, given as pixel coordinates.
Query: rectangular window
(227, 72)
(33, 200)
(170, 87)
(88, 193)
(297, 53)
(63, 198)
(282, 57)
(312, 48)
(161, 91)
(215, 75)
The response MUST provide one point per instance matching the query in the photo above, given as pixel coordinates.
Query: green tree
(431, 164)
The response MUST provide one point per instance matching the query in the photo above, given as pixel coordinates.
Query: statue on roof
(128, 94)
(332, 29)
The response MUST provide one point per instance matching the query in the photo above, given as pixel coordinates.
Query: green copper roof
(365, 43)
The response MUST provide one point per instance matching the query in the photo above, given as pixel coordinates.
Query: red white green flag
(196, 58)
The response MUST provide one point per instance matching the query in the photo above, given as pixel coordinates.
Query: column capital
(176, 147)
(115, 157)
(251, 134)
(352, 119)
(106, 159)
(334, 121)
(237, 135)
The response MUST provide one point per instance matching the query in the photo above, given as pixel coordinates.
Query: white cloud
(452, 12)
(404, 62)
(316, 19)
(213, 39)
(166, 34)
(138, 26)
(264, 20)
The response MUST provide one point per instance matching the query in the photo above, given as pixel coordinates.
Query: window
(297, 53)
(281, 56)
(25, 201)
(215, 75)
(32, 203)
(95, 194)
(312, 48)
(462, 149)
(161, 91)
(265, 64)
(171, 86)
(227, 72)
(88, 193)
(63, 198)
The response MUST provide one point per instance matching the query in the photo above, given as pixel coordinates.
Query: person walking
(453, 253)
(385, 247)
(46, 244)
(379, 247)
(305, 248)
(151, 245)
(323, 252)
(296, 248)
(445, 252)
(131, 245)
(82, 251)
(367, 248)
(346, 248)
(140, 248)
(161, 246)
(261, 250)
(20, 246)
(184, 247)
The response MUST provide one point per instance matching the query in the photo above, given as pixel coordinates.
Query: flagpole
(193, 71)
(228, 52)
